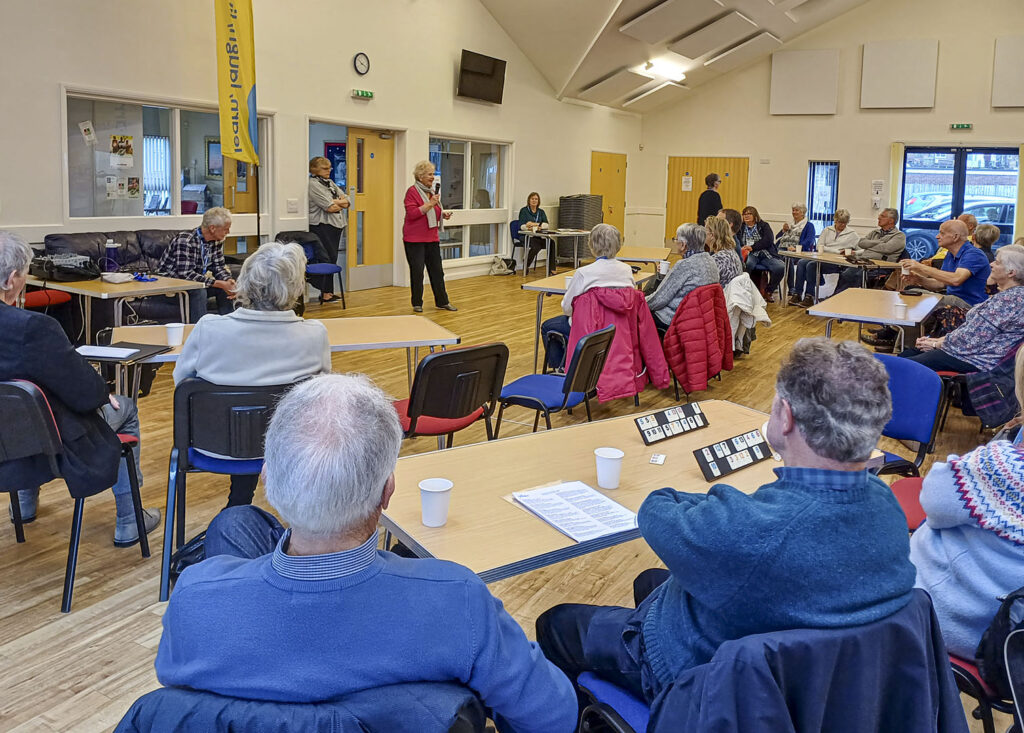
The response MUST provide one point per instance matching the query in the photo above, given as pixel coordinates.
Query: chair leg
(487, 426)
(69, 573)
(19, 527)
(169, 514)
(497, 420)
(341, 289)
(180, 509)
(636, 400)
(547, 419)
(133, 480)
(440, 442)
(675, 384)
(586, 403)
(536, 421)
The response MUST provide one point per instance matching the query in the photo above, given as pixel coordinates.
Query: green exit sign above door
(961, 126)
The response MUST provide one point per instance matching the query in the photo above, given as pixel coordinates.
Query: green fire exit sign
(362, 94)
(961, 126)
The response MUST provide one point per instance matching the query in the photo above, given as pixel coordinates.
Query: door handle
(232, 204)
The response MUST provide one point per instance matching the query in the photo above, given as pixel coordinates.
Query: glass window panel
(928, 185)
(107, 154)
(450, 239)
(449, 159)
(990, 190)
(486, 175)
(822, 192)
(360, 149)
(202, 165)
(483, 239)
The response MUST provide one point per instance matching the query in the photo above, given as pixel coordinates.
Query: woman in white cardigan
(833, 240)
(263, 342)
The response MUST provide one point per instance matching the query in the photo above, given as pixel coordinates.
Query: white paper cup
(847, 252)
(609, 466)
(435, 495)
(544, 226)
(900, 310)
(175, 333)
(663, 267)
(568, 279)
(905, 269)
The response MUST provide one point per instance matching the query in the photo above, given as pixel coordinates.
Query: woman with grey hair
(604, 272)
(262, 342)
(833, 240)
(697, 268)
(993, 326)
(424, 218)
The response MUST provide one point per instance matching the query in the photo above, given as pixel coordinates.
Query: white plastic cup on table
(435, 496)
(175, 334)
(609, 467)
(905, 268)
(899, 310)
(568, 279)
(663, 267)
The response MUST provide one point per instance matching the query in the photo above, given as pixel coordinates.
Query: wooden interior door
(241, 193)
(370, 161)
(683, 173)
(608, 178)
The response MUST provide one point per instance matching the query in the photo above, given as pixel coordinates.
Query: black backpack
(990, 655)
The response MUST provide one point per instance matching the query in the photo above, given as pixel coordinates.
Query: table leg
(387, 540)
(408, 366)
(550, 252)
(575, 252)
(536, 332)
(817, 279)
(87, 307)
(183, 305)
(785, 282)
(828, 328)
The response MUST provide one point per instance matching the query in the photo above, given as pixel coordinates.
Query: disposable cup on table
(609, 467)
(900, 310)
(568, 279)
(435, 496)
(663, 267)
(175, 334)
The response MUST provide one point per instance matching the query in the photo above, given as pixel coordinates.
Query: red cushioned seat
(908, 493)
(46, 298)
(973, 670)
(435, 425)
(127, 439)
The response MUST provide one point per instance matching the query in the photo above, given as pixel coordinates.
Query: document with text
(576, 510)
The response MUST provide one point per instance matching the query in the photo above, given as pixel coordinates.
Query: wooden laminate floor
(82, 671)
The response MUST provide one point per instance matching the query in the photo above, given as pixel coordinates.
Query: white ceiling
(596, 49)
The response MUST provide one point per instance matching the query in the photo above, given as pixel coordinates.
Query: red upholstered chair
(45, 298)
(452, 390)
(28, 430)
(969, 682)
(908, 493)
(698, 343)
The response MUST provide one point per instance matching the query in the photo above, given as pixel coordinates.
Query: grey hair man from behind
(296, 615)
(15, 257)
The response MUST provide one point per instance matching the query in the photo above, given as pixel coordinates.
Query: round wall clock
(361, 62)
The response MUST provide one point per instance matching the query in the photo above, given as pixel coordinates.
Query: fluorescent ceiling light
(663, 67)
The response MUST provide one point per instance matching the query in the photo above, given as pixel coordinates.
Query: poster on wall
(111, 184)
(122, 188)
(122, 153)
(133, 187)
(88, 133)
(335, 153)
(687, 183)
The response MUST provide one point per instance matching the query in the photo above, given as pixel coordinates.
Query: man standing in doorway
(710, 202)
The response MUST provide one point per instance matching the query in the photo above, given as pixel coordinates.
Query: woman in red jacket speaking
(424, 218)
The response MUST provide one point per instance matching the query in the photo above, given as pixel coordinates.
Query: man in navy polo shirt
(964, 272)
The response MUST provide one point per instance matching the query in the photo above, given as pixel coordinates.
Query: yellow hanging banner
(236, 80)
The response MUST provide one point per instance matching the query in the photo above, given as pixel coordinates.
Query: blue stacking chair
(320, 269)
(917, 395)
(411, 707)
(513, 230)
(550, 393)
(611, 707)
(226, 421)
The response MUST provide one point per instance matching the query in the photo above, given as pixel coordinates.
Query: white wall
(164, 52)
(729, 116)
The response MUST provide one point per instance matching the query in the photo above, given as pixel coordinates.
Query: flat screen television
(481, 77)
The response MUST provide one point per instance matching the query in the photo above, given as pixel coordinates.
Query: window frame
(467, 217)
(243, 225)
(824, 217)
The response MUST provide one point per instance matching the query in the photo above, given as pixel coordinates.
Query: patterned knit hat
(990, 481)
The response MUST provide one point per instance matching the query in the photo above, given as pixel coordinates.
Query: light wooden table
(497, 539)
(556, 285)
(120, 293)
(630, 253)
(874, 306)
(344, 334)
(828, 258)
(551, 236)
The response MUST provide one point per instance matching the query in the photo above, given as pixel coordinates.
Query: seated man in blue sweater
(326, 613)
(823, 546)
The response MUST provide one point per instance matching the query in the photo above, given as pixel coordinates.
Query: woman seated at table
(993, 326)
(762, 252)
(697, 268)
(719, 242)
(531, 217)
(970, 550)
(605, 272)
(262, 342)
(833, 240)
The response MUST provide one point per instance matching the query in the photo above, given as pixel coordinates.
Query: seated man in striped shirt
(198, 255)
(316, 612)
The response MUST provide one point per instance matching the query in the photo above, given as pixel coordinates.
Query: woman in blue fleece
(970, 550)
(823, 546)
